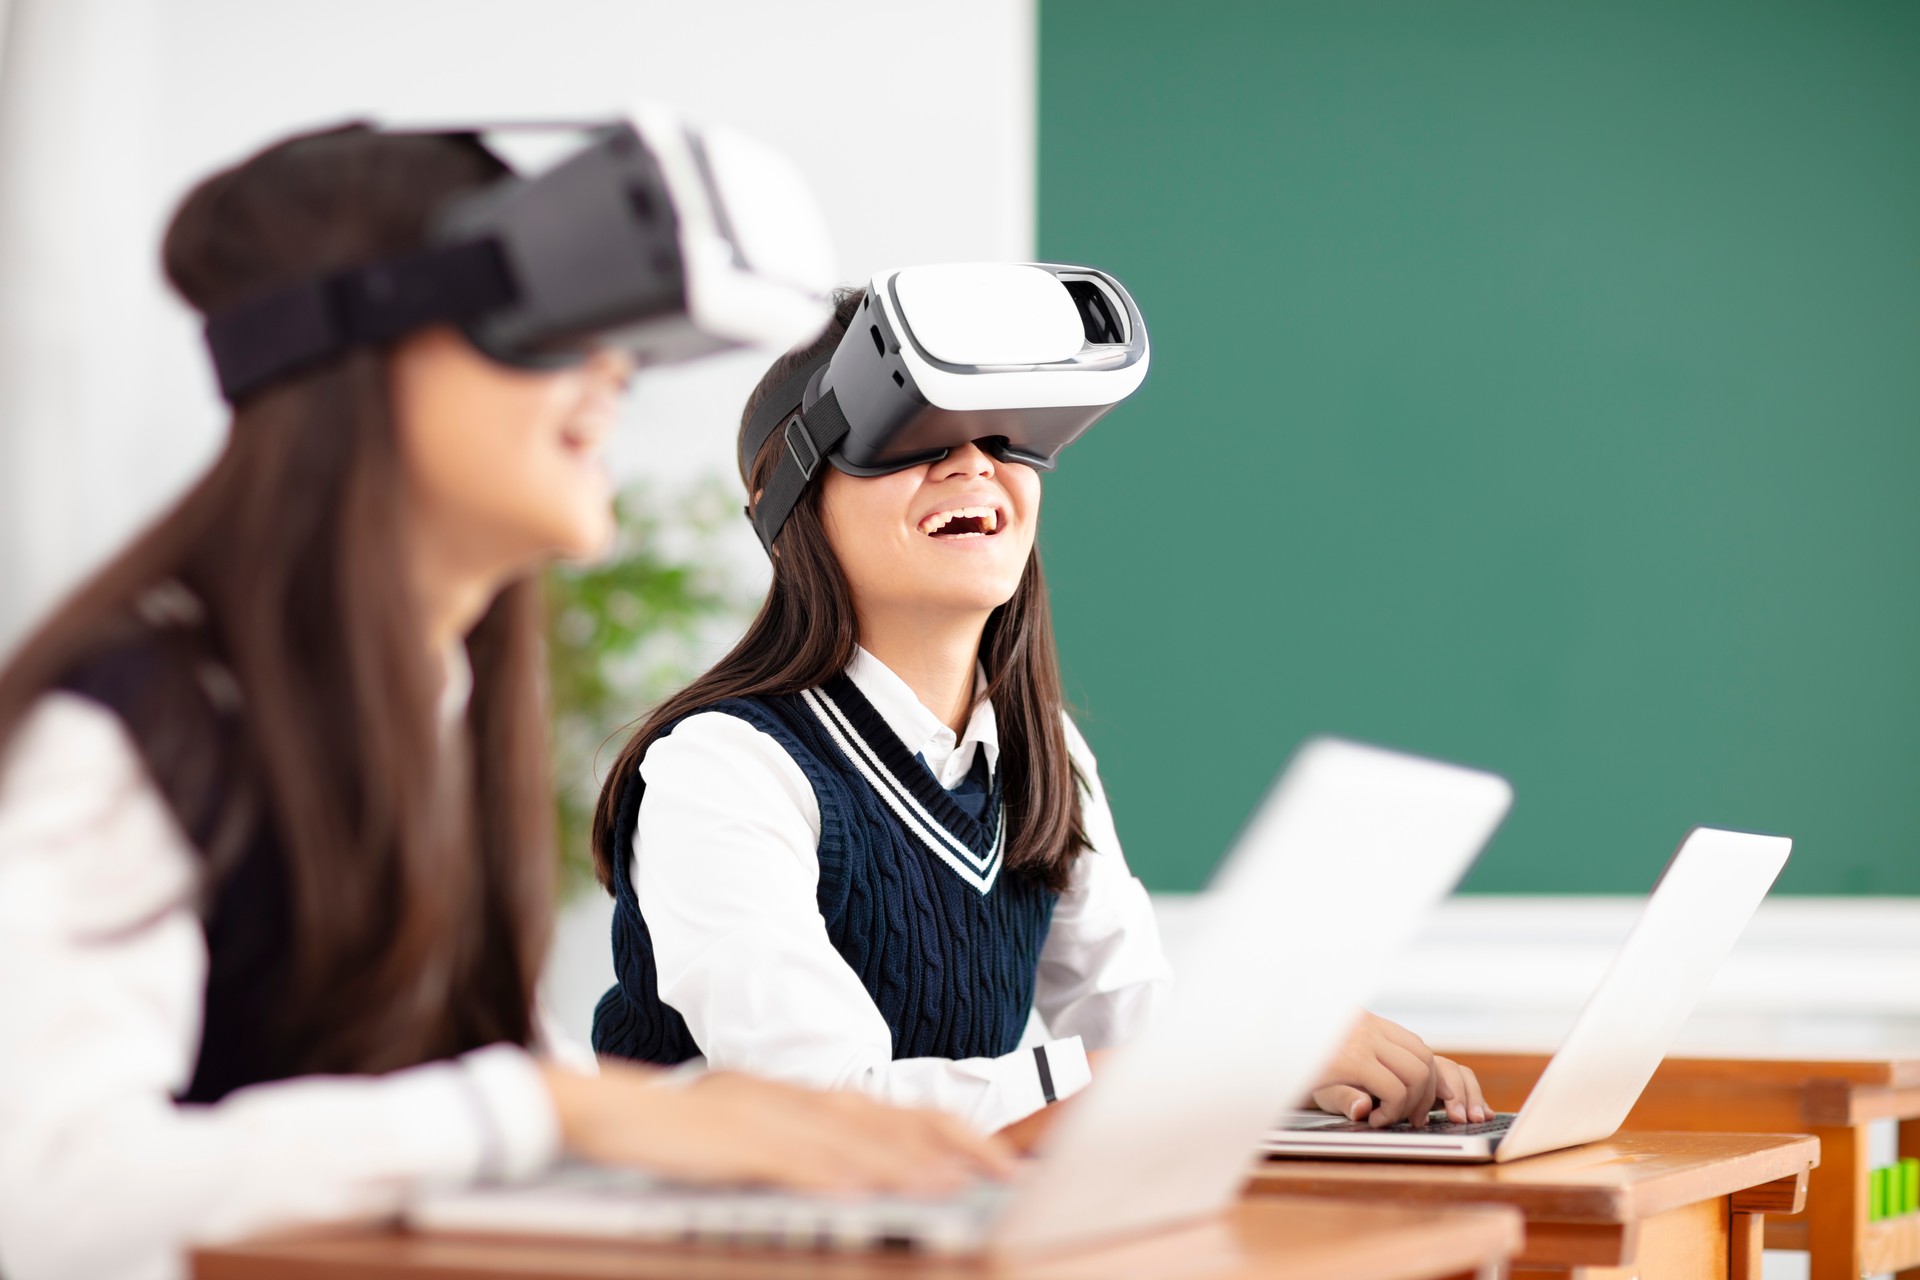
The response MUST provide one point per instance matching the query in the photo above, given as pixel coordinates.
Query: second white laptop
(1696, 913)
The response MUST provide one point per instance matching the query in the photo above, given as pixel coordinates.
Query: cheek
(482, 448)
(1023, 486)
(863, 514)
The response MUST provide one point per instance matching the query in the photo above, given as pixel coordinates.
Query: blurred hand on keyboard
(731, 1128)
(1385, 1074)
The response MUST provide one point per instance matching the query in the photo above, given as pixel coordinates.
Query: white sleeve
(102, 970)
(726, 870)
(1102, 971)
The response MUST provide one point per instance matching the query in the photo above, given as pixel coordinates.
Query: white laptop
(1168, 1130)
(1698, 910)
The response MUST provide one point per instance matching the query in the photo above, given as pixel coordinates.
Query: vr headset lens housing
(1023, 357)
(650, 235)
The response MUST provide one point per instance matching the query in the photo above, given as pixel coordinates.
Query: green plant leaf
(625, 632)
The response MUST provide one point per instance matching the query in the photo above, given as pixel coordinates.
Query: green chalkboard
(1535, 385)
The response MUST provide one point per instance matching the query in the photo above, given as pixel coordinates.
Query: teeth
(989, 520)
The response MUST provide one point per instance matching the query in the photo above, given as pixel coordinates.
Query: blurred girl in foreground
(276, 870)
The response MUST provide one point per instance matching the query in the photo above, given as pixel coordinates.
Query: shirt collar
(923, 732)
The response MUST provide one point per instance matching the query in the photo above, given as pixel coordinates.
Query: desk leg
(1837, 1204)
(1746, 1241)
(1909, 1147)
(1688, 1242)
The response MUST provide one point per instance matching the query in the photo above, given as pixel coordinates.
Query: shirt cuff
(1059, 1070)
(516, 1111)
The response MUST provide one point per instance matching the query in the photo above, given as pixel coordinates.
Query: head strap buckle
(797, 439)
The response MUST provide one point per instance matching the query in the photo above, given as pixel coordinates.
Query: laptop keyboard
(576, 1199)
(1440, 1127)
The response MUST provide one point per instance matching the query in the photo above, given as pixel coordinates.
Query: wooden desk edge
(1445, 1241)
(1768, 1175)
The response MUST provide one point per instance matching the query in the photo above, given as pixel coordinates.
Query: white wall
(916, 122)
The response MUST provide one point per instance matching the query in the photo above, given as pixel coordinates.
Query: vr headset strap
(811, 434)
(258, 341)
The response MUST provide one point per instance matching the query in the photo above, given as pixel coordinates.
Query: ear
(773, 553)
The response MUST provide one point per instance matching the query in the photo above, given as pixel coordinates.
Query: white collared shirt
(103, 964)
(730, 830)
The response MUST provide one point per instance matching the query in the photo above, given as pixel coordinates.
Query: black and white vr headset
(1021, 357)
(648, 234)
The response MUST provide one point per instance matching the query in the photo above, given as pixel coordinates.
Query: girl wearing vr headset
(276, 871)
(869, 843)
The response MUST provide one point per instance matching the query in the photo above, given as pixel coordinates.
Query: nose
(611, 366)
(963, 461)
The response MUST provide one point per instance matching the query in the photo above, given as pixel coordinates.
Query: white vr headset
(644, 232)
(1021, 357)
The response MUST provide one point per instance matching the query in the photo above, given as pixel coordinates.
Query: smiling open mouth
(962, 522)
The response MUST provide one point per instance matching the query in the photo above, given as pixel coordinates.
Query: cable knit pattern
(949, 964)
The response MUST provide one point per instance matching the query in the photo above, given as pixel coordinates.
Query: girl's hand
(1385, 1061)
(726, 1127)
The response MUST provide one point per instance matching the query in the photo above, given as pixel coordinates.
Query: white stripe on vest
(975, 870)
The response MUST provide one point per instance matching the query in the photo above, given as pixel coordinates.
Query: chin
(587, 543)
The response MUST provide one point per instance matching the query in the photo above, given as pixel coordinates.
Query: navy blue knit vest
(911, 888)
(161, 674)
(176, 699)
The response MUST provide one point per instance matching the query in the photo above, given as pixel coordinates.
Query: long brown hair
(420, 874)
(806, 633)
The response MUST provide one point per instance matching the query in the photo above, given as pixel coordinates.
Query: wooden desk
(1264, 1239)
(1835, 1099)
(1665, 1205)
